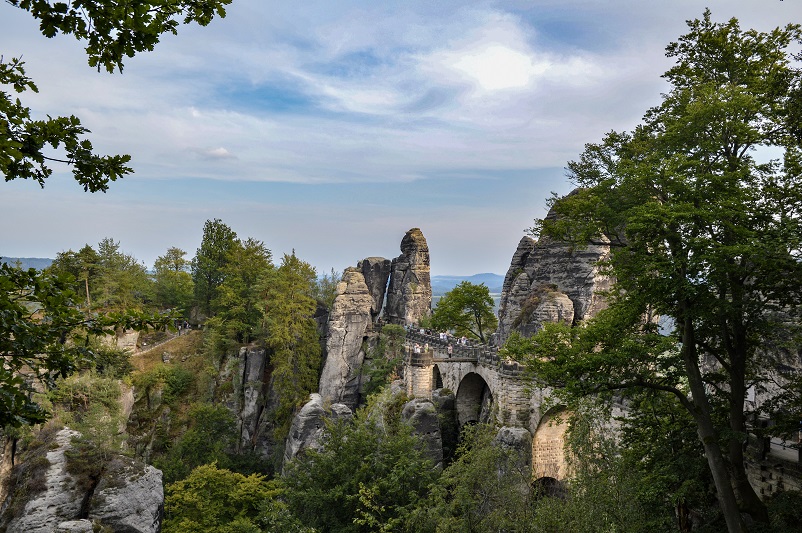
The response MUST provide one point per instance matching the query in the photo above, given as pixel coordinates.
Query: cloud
(217, 153)
(325, 119)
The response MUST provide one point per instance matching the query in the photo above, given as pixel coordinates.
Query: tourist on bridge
(450, 350)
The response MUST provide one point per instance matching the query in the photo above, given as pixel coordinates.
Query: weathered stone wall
(548, 445)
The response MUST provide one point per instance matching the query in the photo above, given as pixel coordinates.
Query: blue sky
(332, 127)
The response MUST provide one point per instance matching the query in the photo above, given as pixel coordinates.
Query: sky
(332, 127)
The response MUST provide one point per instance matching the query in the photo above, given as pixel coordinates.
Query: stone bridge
(488, 388)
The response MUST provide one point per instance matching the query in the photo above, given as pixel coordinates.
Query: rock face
(127, 498)
(307, 427)
(252, 389)
(376, 271)
(348, 322)
(518, 439)
(422, 415)
(409, 296)
(550, 281)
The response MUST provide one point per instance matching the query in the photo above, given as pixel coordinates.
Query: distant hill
(38, 263)
(443, 284)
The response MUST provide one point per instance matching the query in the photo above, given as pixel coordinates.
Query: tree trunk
(748, 500)
(707, 434)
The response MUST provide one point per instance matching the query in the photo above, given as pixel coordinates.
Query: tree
(467, 309)
(369, 476)
(173, 284)
(485, 489)
(291, 336)
(123, 282)
(210, 260)
(215, 500)
(44, 335)
(239, 296)
(326, 287)
(701, 232)
(39, 312)
(113, 31)
(82, 265)
(209, 438)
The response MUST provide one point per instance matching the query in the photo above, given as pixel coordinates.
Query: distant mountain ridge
(443, 284)
(38, 263)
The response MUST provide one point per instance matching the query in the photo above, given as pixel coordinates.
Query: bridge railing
(471, 351)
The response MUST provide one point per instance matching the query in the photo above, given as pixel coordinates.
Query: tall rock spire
(409, 296)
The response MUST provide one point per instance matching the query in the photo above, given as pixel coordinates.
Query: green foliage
(108, 278)
(660, 446)
(371, 473)
(123, 281)
(82, 265)
(209, 438)
(606, 488)
(386, 360)
(485, 489)
(468, 310)
(115, 31)
(78, 393)
(239, 301)
(173, 381)
(292, 338)
(326, 287)
(210, 260)
(173, 283)
(215, 500)
(23, 141)
(112, 362)
(701, 232)
(90, 404)
(39, 327)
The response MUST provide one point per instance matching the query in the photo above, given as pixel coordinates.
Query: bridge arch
(474, 400)
(548, 447)
(437, 378)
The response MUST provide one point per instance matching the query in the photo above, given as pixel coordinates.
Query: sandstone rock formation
(251, 386)
(307, 427)
(349, 319)
(422, 415)
(518, 439)
(409, 296)
(376, 271)
(550, 281)
(127, 497)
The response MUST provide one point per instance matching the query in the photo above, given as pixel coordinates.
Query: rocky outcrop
(409, 295)
(251, 387)
(517, 439)
(309, 425)
(445, 402)
(126, 497)
(376, 271)
(348, 322)
(422, 415)
(550, 281)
